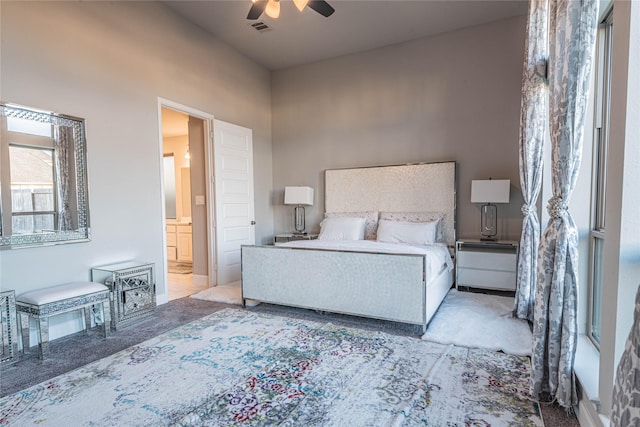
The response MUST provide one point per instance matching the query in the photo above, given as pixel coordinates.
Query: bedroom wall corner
(454, 96)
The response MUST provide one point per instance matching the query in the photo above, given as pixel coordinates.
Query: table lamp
(298, 196)
(489, 191)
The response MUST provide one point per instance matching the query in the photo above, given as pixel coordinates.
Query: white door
(233, 147)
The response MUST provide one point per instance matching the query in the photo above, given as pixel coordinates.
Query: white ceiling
(297, 38)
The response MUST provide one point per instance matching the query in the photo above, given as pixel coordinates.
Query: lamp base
(298, 214)
(488, 222)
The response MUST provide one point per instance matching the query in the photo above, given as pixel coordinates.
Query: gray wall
(198, 188)
(108, 62)
(455, 96)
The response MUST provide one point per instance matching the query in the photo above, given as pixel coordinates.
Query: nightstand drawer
(486, 265)
(487, 260)
(488, 279)
(137, 300)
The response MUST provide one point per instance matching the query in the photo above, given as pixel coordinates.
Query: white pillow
(342, 228)
(370, 224)
(413, 233)
(418, 217)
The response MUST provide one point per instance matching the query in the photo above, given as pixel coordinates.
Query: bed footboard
(381, 286)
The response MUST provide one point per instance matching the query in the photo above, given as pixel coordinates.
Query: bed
(382, 280)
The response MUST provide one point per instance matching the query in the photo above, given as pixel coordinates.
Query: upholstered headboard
(424, 187)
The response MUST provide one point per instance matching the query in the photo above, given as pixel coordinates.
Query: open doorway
(184, 179)
(221, 200)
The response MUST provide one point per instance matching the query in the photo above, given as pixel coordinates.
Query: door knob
(253, 223)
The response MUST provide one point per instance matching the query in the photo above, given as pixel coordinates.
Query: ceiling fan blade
(322, 7)
(256, 9)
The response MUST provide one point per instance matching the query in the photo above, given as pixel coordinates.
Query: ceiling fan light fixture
(273, 9)
(300, 4)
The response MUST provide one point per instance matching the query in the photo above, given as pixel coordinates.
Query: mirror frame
(83, 232)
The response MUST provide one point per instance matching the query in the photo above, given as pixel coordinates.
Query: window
(33, 201)
(29, 184)
(599, 173)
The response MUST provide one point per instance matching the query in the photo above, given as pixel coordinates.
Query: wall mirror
(43, 178)
(169, 186)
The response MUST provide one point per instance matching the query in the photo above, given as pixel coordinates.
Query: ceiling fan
(272, 7)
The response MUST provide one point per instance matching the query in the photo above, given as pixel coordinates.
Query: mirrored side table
(133, 290)
(9, 326)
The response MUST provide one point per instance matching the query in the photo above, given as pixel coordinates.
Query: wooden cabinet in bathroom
(172, 242)
(184, 242)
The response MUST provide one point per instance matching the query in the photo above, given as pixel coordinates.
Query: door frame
(207, 118)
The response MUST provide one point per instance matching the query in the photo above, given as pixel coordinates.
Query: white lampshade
(298, 196)
(490, 191)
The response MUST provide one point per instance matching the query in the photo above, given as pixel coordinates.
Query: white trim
(620, 264)
(209, 152)
(209, 155)
(587, 416)
(587, 367)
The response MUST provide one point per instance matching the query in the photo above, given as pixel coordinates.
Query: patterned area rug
(244, 368)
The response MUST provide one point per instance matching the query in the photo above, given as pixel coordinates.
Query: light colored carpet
(479, 321)
(227, 294)
(235, 367)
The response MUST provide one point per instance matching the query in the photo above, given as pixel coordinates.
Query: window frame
(597, 233)
(37, 141)
(54, 190)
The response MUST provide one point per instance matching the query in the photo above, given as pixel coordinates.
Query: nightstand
(133, 290)
(279, 239)
(486, 264)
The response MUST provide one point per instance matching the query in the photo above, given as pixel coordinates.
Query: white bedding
(437, 255)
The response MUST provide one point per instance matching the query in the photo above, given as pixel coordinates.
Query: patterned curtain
(533, 126)
(62, 144)
(626, 393)
(572, 34)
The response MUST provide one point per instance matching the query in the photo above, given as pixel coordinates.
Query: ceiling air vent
(261, 26)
